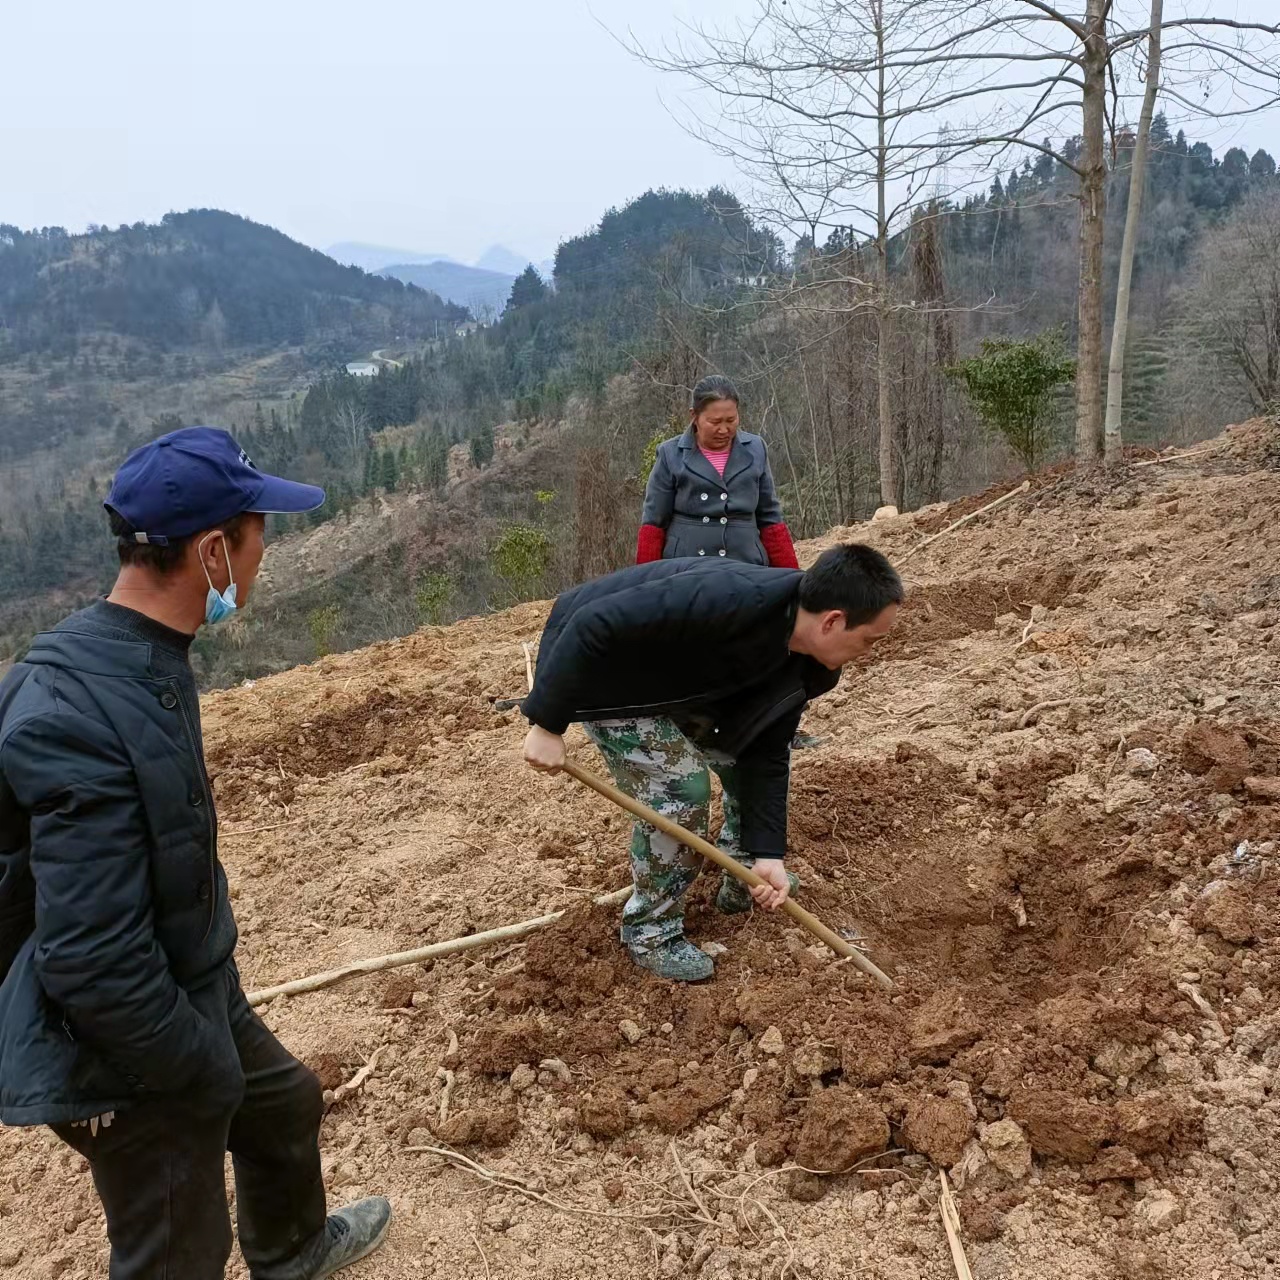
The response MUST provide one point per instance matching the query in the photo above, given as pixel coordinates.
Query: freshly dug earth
(1049, 806)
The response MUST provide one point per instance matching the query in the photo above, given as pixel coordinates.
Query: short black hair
(163, 559)
(854, 578)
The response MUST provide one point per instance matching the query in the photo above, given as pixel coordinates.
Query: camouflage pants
(652, 761)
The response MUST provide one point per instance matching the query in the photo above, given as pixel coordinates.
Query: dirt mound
(1049, 808)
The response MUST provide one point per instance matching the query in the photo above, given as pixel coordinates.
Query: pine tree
(527, 289)
(390, 472)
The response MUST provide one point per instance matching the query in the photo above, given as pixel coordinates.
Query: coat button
(168, 700)
(706, 519)
(724, 519)
(702, 551)
(197, 798)
(723, 552)
(724, 497)
(703, 496)
(204, 893)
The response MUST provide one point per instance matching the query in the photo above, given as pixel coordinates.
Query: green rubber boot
(734, 897)
(677, 959)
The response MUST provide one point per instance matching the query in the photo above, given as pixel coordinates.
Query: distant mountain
(374, 257)
(499, 258)
(200, 279)
(483, 293)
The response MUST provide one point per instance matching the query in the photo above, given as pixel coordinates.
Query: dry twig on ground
(357, 1081)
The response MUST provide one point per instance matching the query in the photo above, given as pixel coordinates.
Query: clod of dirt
(663, 1074)
(1069, 1020)
(813, 1060)
(498, 1051)
(1007, 1148)
(1221, 755)
(1060, 1124)
(772, 1042)
(1159, 1122)
(1227, 910)
(1115, 1164)
(397, 991)
(674, 1110)
(481, 1126)
(982, 1220)
(330, 1068)
(1159, 1211)
(939, 1128)
(806, 1187)
(1116, 1059)
(1264, 789)
(941, 1027)
(841, 1127)
(604, 1112)
(872, 1057)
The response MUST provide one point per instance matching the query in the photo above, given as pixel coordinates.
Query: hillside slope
(1049, 805)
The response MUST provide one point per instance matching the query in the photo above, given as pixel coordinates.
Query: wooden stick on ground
(951, 1221)
(528, 664)
(973, 515)
(802, 917)
(1177, 457)
(436, 951)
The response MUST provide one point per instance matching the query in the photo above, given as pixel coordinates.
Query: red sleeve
(650, 543)
(776, 540)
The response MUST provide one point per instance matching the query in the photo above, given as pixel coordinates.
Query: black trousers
(159, 1168)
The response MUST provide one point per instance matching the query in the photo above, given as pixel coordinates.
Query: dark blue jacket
(703, 643)
(705, 514)
(112, 903)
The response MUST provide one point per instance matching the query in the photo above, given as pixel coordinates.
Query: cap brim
(286, 497)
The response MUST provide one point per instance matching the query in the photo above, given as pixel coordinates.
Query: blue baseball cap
(194, 479)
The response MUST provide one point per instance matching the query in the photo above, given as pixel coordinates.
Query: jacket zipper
(208, 808)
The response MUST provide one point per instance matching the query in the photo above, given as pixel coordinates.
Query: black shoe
(353, 1233)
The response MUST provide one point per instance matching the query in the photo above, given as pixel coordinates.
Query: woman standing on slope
(711, 492)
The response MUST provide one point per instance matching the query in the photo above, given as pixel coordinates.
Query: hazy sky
(425, 125)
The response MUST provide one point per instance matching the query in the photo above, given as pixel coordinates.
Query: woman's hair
(712, 388)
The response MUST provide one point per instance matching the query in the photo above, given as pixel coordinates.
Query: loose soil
(1048, 806)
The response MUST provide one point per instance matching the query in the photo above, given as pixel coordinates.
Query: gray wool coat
(704, 514)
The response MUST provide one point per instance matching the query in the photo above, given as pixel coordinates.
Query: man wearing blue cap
(122, 1021)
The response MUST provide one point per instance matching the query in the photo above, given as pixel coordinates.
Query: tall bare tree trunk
(1114, 450)
(1093, 200)
(889, 487)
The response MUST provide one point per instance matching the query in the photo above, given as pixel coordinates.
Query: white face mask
(218, 606)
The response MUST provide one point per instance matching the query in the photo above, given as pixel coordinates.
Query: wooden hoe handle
(802, 917)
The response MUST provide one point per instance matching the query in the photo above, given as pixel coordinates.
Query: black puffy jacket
(112, 901)
(703, 642)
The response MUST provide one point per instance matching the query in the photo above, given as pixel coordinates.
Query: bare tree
(845, 110)
(830, 106)
(353, 425)
(1114, 440)
(1234, 307)
(1233, 66)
